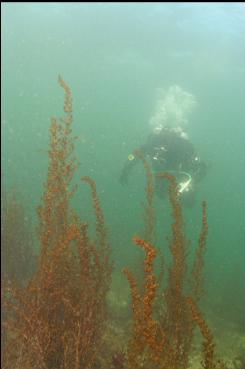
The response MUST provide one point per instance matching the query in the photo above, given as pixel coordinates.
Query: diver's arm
(199, 169)
(132, 160)
(127, 169)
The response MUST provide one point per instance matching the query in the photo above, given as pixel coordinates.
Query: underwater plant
(18, 260)
(57, 320)
(163, 330)
(17, 242)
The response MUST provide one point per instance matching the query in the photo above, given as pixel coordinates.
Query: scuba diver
(169, 149)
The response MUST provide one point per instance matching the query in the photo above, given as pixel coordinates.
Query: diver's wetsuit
(168, 150)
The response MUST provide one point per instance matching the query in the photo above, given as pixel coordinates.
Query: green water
(114, 57)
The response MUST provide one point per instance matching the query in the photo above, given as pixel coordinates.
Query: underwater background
(115, 57)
